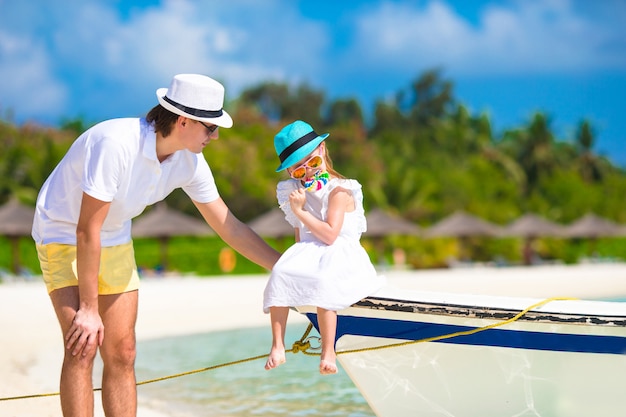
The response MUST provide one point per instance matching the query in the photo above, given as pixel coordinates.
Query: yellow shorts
(118, 270)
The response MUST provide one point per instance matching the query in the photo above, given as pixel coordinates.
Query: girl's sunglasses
(300, 172)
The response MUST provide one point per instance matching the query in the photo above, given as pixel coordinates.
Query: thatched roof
(16, 219)
(162, 221)
(381, 223)
(592, 226)
(461, 224)
(531, 225)
(272, 224)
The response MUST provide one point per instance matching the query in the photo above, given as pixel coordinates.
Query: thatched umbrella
(593, 227)
(16, 221)
(530, 226)
(272, 224)
(381, 223)
(162, 223)
(463, 226)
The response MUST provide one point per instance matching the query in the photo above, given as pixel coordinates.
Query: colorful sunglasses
(300, 172)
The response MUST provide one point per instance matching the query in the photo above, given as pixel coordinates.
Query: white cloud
(231, 42)
(81, 51)
(25, 78)
(510, 38)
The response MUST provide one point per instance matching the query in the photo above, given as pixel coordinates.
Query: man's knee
(121, 354)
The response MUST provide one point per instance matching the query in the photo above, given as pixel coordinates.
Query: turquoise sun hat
(294, 142)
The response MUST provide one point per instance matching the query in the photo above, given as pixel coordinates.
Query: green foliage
(199, 256)
(424, 156)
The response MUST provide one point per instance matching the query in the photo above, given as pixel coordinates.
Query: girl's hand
(297, 198)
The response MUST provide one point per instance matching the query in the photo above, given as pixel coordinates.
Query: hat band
(194, 112)
(286, 153)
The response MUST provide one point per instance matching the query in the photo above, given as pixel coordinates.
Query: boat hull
(459, 355)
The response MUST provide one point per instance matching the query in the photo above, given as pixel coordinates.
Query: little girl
(327, 267)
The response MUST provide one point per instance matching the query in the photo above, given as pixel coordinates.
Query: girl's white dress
(313, 273)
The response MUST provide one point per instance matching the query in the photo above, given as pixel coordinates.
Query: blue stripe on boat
(519, 339)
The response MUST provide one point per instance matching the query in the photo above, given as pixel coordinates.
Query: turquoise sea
(294, 389)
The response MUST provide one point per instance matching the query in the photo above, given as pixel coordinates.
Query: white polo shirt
(116, 161)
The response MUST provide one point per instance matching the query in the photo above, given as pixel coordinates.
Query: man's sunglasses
(211, 128)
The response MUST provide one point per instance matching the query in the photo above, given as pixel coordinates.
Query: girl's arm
(340, 201)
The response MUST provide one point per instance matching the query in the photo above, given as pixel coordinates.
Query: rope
(303, 345)
(461, 333)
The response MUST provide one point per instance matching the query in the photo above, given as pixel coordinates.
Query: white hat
(197, 97)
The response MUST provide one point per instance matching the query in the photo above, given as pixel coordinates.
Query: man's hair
(162, 119)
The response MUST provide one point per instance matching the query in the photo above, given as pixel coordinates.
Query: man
(83, 221)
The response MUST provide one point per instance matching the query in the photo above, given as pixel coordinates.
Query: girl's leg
(278, 317)
(327, 321)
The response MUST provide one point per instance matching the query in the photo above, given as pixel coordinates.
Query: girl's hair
(329, 164)
(162, 119)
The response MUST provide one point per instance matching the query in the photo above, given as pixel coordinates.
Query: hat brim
(299, 154)
(222, 121)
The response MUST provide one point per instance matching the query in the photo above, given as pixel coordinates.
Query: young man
(83, 221)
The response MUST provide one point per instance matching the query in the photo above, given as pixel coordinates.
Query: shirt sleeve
(105, 164)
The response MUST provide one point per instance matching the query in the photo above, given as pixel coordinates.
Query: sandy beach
(31, 351)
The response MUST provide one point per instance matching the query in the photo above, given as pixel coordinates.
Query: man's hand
(86, 332)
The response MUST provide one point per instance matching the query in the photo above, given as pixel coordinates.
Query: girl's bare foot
(275, 359)
(328, 365)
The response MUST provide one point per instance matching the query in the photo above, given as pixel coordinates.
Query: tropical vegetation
(421, 155)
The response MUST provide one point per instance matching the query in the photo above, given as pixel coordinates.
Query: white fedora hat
(197, 97)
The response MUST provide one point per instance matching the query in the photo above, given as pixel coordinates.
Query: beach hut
(163, 223)
(16, 221)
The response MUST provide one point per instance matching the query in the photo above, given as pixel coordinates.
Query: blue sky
(98, 59)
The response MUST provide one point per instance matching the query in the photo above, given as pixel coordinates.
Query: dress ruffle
(318, 203)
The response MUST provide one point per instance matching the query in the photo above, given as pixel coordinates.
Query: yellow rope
(461, 333)
(304, 344)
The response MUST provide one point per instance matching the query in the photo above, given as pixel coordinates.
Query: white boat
(442, 354)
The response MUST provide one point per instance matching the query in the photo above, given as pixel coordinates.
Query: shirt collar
(148, 140)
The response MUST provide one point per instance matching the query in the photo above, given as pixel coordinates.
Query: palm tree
(591, 169)
(534, 149)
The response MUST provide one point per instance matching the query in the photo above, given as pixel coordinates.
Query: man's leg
(76, 387)
(119, 391)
